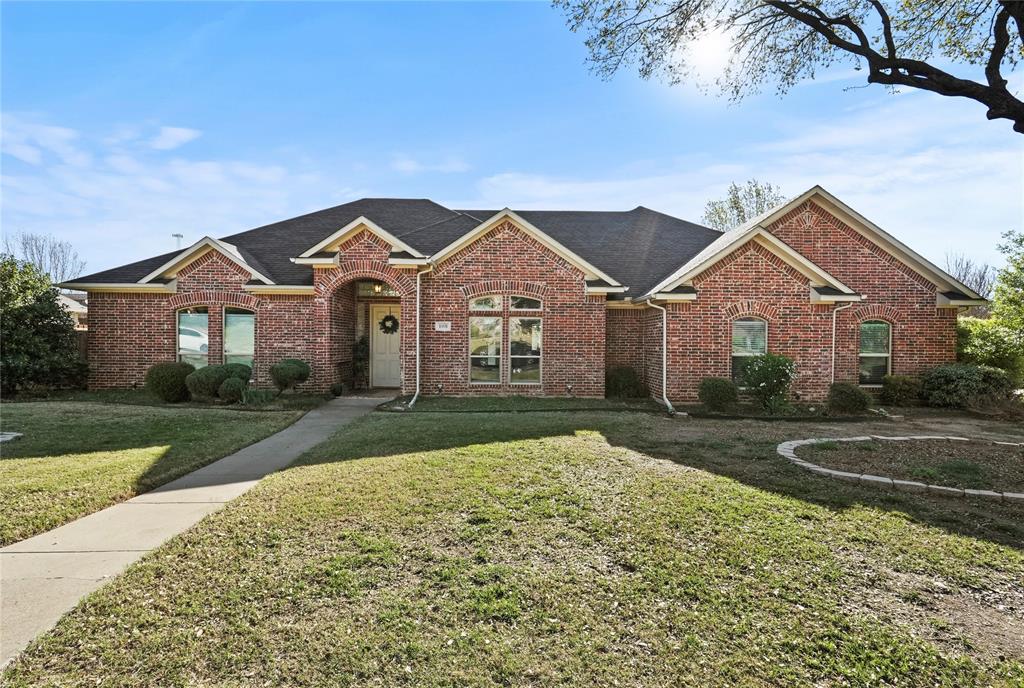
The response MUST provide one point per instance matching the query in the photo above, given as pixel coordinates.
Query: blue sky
(125, 123)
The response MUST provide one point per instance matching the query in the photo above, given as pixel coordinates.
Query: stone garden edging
(788, 450)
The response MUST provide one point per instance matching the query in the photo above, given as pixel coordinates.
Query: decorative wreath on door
(388, 324)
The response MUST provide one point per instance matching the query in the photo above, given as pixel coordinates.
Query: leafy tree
(1008, 303)
(909, 43)
(37, 336)
(740, 204)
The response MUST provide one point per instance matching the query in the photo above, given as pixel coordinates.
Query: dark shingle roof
(636, 247)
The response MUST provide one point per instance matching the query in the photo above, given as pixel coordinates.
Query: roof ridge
(454, 213)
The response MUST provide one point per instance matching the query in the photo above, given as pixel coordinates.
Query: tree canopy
(740, 204)
(910, 43)
(1008, 302)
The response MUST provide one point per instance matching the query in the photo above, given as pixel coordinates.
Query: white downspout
(664, 356)
(834, 311)
(418, 275)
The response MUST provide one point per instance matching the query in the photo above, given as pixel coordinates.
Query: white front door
(385, 364)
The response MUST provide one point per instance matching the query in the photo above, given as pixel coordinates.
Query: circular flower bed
(951, 466)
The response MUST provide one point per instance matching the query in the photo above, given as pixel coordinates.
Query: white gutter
(834, 311)
(419, 274)
(664, 356)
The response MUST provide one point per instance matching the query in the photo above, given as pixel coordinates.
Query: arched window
(875, 351)
(193, 336)
(525, 303)
(749, 338)
(239, 336)
(485, 303)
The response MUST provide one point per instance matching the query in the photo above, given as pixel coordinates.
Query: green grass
(140, 397)
(77, 457)
(507, 404)
(556, 549)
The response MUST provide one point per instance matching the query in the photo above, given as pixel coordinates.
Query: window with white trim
(485, 303)
(485, 350)
(239, 336)
(875, 352)
(749, 338)
(524, 343)
(193, 336)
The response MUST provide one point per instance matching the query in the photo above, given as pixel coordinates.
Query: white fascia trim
(838, 298)
(355, 224)
(487, 225)
(313, 261)
(135, 287)
(668, 296)
(757, 233)
(280, 289)
(229, 251)
(607, 290)
(942, 301)
(408, 261)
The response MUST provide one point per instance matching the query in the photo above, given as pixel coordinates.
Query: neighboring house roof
(72, 305)
(647, 251)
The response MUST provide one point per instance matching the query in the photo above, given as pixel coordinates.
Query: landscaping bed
(582, 548)
(966, 465)
(431, 404)
(77, 457)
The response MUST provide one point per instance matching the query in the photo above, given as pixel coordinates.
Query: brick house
(464, 302)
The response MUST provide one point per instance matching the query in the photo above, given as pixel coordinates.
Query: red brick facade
(581, 335)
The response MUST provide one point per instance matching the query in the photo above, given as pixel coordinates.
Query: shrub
(239, 371)
(847, 399)
(717, 393)
(166, 381)
(40, 348)
(624, 382)
(205, 382)
(900, 390)
(231, 389)
(959, 385)
(289, 373)
(767, 378)
(258, 397)
(990, 343)
(337, 389)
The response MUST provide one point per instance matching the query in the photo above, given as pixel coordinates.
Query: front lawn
(562, 549)
(77, 458)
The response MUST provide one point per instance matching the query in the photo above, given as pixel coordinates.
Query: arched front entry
(371, 327)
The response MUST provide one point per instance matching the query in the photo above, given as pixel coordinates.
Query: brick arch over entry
(349, 271)
(512, 287)
(741, 309)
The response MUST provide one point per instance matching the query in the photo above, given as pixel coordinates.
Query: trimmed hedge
(231, 389)
(718, 393)
(844, 398)
(205, 382)
(624, 383)
(289, 373)
(166, 381)
(900, 390)
(239, 370)
(959, 385)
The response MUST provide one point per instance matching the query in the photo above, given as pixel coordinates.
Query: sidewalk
(45, 576)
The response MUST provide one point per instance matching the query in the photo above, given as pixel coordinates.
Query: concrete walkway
(45, 576)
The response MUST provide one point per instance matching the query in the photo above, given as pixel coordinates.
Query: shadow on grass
(741, 451)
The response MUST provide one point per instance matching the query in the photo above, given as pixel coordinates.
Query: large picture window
(239, 336)
(193, 336)
(485, 350)
(875, 354)
(524, 346)
(749, 338)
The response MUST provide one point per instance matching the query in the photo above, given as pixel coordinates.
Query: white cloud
(170, 138)
(34, 142)
(409, 165)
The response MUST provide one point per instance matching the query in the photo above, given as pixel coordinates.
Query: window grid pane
(525, 345)
(485, 350)
(874, 338)
(193, 336)
(485, 303)
(749, 337)
(525, 303)
(239, 336)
